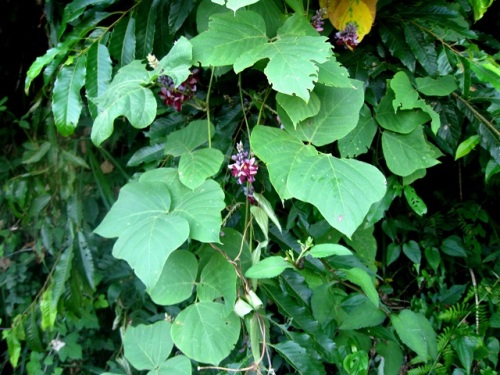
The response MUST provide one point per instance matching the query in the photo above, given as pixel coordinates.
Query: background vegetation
(116, 110)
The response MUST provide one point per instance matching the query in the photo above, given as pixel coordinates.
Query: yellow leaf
(361, 13)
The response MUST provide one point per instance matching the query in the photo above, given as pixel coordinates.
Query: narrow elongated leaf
(147, 154)
(342, 190)
(228, 36)
(268, 267)
(13, 346)
(338, 114)
(67, 100)
(406, 153)
(179, 11)
(328, 249)
(204, 332)
(87, 262)
(122, 43)
(416, 332)
(48, 310)
(145, 27)
(391, 36)
(98, 73)
(424, 52)
(62, 273)
(486, 71)
(42, 61)
(177, 279)
(148, 346)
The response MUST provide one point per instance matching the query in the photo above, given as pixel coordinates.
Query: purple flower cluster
(244, 170)
(348, 37)
(175, 96)
(317, 19)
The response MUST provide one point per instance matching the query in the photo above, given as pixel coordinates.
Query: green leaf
(424, 51)
(391, 36)
(122, 42)
(262, 220)
(328, 249)
(412, 251)
(148, 346)
(67, 100)
(204, 332)
(293, 61)
(454, 246)
(98, 73)
(480, 7)
(147, 154)
(272, 15)
(146, 14)
(465, 347)
(178, 365)
(441, 86)
(337, 117)
(13, 346)
(416, 203)
(177, 279)
(342, 190)
(218, 279)
(235, 247)
(200, 207)
(228, 37)
(177, 62)
(487, 71)
(298, 357)
(362, 279)
(359, 140)
(42, 61)
(48, 310)
(417, 333)
(296, 109)
(278, 149)
(188, 138)
(363, 314)
(331, 73)
(465, 147)
(62, 274)
(398, 120)
(179, 12)
(234, 5)
(87, 262)
(269, 267)
(196, 166)
(267, 208)
(125, 94)
(393, 356)
(406, 153)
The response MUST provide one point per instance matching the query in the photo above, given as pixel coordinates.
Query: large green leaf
(406, 153)
(142, 219)
(146, 14)
(296, 109)
(228, 36)
(398, 120)
(234, 5)
(179, 12)
(362, 314)
(205, 333)
(188, 138)
(98, 73)
(67, 99)
(331, 73)
(293, 62)
(487, 71)
(178, 365)
(362, 279)
(148, 346)
(342, 190)
(441, 86)
(416, 332)
(218, 279)
(196, 166)
(177, 279)
(268, 267)
(338, 114)
(125, 95)
(278, 150)
(200, 207)
(359, 140)
(393, 356)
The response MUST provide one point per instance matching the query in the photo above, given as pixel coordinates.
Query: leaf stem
(208, 107)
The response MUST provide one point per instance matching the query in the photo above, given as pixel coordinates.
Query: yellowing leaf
(359, 12)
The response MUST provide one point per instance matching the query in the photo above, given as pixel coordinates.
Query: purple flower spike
(244, 170)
